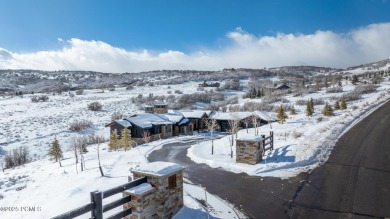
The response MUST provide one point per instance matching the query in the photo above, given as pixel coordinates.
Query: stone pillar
(167, 197)
(249, 150)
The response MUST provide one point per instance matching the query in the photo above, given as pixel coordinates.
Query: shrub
(42, 98)
(111, 89)
(296, 134)
(320, 119)
(365, 89)
(95, 106)
(16, 157)
(129, 87)
(34, 99)
(178, 92)
(79, 92)
(116, 116)
(334, 90)
(301, 102)
(351, 96)
(270, 99)
(80, 125)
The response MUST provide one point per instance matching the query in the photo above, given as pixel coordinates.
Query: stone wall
(249, 151)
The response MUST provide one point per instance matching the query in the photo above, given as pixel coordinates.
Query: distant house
(224, 118)
(205, 84)
(282, 87)
(197, 117)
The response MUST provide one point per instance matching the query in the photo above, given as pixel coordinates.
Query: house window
(168, 129)
(172, 182)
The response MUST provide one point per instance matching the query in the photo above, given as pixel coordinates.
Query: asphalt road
(258, 197)
(355, 182)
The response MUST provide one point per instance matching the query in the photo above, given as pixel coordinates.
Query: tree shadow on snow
(280, 155)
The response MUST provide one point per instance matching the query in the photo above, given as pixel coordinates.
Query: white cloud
(322, 48)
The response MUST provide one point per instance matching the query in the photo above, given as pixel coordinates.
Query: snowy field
(300, 144)
(54, 189)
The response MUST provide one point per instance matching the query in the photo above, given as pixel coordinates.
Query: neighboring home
(205, 84)
(282, 87)
(224, 118)
(197, 117)
(156, 125)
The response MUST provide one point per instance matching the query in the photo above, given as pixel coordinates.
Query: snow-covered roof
(249, 138)
(194, 114)
(241, 115)
(158, 168)
(147, 120)
(265, 116)
(140, 189)
(230, 115)
(174, 117)
(123, 122)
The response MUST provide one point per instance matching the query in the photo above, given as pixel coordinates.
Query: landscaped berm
(161, 196)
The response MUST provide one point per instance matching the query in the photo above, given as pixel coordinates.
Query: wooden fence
(269, 140)
(96, 206)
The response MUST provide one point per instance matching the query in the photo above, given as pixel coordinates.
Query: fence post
(263, 136)
(97, 199)
(272, 140)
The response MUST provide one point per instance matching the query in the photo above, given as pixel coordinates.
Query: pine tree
(311, 104)
(343, 104)
(328, 110)
(281, 115)
(113, 145)
(309, 110)
(55, 151)
(292, 110)
(125, 140)
(337, 105)
(355, 79)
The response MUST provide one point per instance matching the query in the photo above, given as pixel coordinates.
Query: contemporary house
(244, 118)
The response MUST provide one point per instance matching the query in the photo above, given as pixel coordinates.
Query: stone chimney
(160, 108)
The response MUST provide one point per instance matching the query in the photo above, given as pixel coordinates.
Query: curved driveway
(265, 197)
(355, 181)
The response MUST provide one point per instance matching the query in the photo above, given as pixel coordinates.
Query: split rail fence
(96, 206)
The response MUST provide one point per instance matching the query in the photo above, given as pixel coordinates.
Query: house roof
(241, 115)
(193, 114)
(147, 120)
(121, 122)
(173, 117)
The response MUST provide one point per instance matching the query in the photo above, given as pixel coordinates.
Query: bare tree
(247, 121)
(233, 123)
(211, 125)
(74, 147)
(2, 166)
(255, 123)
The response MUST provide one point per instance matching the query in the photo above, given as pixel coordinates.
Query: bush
(296, 134)
(116, 116)
(365, 89)
(16, 157)
(301, 102)
(79, 92)
(42, 98)
(318, 101)
(334, 90)
(77, 125)
(129, 87)
(178, 92)
(111, 89)
(95, 106)
(270, 99)
(351, 96)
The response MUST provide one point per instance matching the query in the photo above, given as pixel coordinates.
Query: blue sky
(187, 27)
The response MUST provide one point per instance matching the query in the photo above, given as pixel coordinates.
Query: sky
(135, 36)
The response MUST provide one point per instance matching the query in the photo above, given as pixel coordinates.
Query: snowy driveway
(257, 196)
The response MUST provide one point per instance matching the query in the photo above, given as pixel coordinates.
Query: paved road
(259, 197)
(355, 182)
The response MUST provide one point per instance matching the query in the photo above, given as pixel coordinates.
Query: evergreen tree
(281, 115)
(125, 140)
(309, 110)
(337, 105)
(55, 151)
(292, 110)
(311, 104)
(113, 144)
(343, 104)
(355, 79)
(328, 110)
